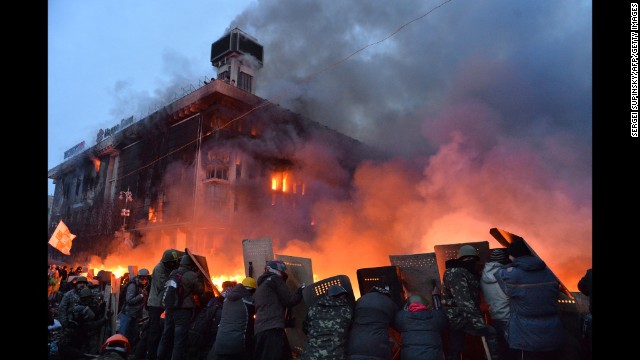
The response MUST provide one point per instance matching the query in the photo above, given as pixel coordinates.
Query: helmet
(85, 292)
(249, 282)
(336, 290)
(80, 279)
(186, 260)
(276, 265)
(170, 255)
(143, 272)
(467, 250)
(117, 342)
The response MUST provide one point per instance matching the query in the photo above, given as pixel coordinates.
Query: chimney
(237, 56)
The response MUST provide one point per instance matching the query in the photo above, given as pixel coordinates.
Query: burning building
(213, 167)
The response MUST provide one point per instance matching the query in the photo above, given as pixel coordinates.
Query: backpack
(173, 291)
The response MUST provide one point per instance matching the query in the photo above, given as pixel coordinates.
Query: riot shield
(256, 253)
(368, 277)
(201, 263)
(318, 289)
(419, 273)
(299, 271)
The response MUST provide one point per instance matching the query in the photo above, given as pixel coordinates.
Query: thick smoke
(484, 108)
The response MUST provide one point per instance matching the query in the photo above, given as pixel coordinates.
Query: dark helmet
(336, 290)
(467, 250)
(186, 260)
(81, 279)
(85, 293)
(143, 272)
(117, 342)
(276, 265)
(170, 255)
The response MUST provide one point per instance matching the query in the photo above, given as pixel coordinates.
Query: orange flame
(96, 164)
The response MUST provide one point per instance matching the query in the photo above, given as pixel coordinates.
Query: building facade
(218, 165)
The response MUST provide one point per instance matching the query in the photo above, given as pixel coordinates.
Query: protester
(496, 298)
(178, 320)
(135, 299)
(584, 285)
(170, 261)
(461, 303)
(272, 297)
(234, 340)
(116, 347)
(369, 336)
(535, 330)
(327, 326)
(70, 299)
(420, 328)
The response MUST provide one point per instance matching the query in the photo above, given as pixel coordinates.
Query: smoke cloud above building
(483, 109)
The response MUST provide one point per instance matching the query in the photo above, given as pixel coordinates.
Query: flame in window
(96, 164)
(152, 214)
(284, 182)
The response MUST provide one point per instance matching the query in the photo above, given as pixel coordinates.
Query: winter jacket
(494, 296)
(327, 327)
(533, 293)
(159, 278)
(369, 336)
(421, 333)
(272, 297)
(235, 332)
(134, 299)
(193, 285)
(67, 304)
(461, 296)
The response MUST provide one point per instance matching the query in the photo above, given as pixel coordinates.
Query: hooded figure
(272, 297)
(497, 300)
(369, 336)
(533, 291)
(420, 328)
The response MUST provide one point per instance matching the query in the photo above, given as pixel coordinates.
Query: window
(220, 172)
(78, 183)
(217, 165)
(244, 81)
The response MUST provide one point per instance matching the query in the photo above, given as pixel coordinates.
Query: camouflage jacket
(327, 326)
(67, 304)
(461, 297)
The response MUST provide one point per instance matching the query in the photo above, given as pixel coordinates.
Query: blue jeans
(173, 342)
(129, 328)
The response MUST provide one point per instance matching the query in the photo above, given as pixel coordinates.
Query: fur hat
(499, 255)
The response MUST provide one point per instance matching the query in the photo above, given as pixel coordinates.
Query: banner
(62, 238)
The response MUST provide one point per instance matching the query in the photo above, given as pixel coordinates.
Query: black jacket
(369, 336)
(235, 332)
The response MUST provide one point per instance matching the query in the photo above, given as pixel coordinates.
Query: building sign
(107, 132)
(74, 150)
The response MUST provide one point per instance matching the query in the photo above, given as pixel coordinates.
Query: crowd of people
(247, 320)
